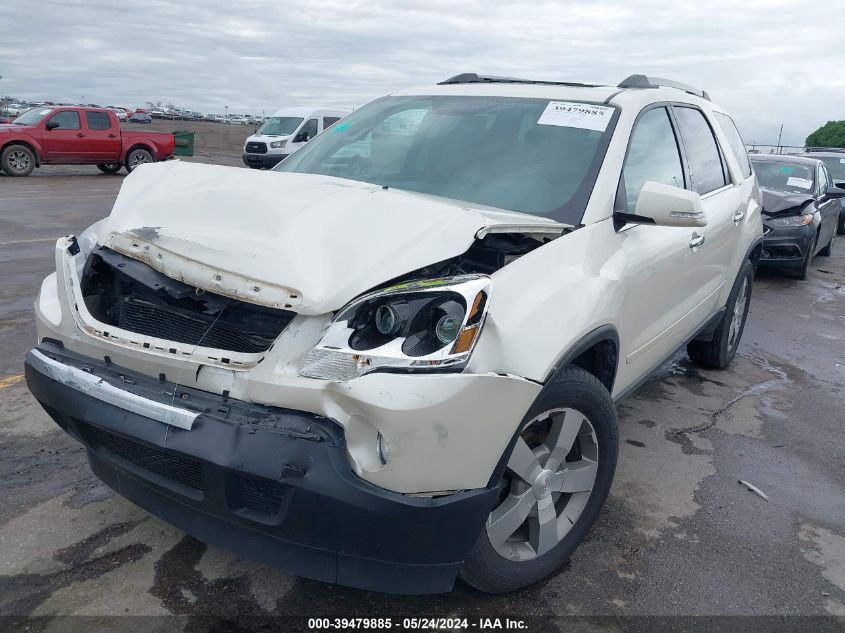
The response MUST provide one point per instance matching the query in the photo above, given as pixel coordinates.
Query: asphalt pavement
(679, 536)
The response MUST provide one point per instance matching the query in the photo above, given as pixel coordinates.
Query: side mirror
(302, 137)
(665, 205)
(51, 125)
(834, 192)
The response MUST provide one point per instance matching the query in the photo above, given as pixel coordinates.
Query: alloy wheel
(550, 476)
(18, 160)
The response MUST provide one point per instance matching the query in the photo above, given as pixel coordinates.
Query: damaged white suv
(393, 360)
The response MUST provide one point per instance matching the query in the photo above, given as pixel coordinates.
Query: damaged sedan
(393, 372)
(800, 212)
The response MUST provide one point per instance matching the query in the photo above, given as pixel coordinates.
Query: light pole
(226, 116)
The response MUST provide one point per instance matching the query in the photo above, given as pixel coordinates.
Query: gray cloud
(768, 61)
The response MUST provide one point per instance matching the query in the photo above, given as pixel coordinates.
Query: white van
(285, 132)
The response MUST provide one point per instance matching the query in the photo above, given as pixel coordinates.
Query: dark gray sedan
(800, 211)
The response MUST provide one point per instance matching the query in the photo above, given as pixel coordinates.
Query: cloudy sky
(768, 61)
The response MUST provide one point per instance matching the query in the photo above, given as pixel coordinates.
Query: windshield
(783, 176)
(836, 166)
(526, 155)
(280, 125)
(32, 116)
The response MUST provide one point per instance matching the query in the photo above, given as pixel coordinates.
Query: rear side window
(652, 155)
(329, 121)
(97, 121)
(735, 140)
(66, 120)
(705, 163)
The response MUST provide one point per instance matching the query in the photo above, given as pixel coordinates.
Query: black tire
(110, 168)
(720, 351)
(573, 388)
(137, 156)
(255, 167)
(827, 251)
(840, 224)
(804, 269)
(17, 160)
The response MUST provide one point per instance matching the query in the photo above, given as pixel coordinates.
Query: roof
(636, 90)
(304, 111)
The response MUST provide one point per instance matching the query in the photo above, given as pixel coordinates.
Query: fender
(23, 139)
(601, 333)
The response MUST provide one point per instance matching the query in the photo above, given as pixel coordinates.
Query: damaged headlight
(792, 220)
(430, 325)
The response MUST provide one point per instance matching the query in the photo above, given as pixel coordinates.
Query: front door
(660, 261)
(304, 134)
(63, 137)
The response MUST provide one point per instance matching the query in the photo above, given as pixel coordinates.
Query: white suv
(393, 371)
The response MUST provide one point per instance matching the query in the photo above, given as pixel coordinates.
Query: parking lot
(678, 536)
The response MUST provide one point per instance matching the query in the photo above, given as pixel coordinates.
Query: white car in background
(286, 131)
(391, 376)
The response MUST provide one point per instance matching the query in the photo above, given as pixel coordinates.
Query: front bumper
(786, 246)
(267, 483)
(263, 160)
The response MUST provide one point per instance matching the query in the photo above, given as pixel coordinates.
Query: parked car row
(396, 362)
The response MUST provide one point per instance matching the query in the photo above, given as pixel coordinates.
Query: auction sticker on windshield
(803, 183)
(578, 115)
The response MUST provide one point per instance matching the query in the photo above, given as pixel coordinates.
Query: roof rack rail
(473, 78)
(644, 81)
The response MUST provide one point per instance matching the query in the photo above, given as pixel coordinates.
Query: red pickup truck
(77, 136)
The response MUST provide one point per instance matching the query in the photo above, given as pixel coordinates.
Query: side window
(308, 131)
(736, 143)
(97, 121)
(824, 179)
(705, 163)
(329, 121)
(652, 155)
(66, 120)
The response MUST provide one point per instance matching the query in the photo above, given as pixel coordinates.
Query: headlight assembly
(430, 325)
(792, 220)
(277, 144)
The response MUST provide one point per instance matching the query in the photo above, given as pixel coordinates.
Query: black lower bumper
(268, 484)
(263, 160)
(785, 247)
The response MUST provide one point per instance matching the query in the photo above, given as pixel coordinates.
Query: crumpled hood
(297, 241)
(783, 203)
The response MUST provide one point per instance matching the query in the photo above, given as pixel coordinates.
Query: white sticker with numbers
(579, 115)
(802, 183)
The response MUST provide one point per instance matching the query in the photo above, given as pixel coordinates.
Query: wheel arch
(139, 145)
(30, 146)
(597, 351)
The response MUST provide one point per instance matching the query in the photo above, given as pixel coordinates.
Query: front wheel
(17, 160)
(719, 352)
(110, 168)
(137, 157)
(557, 479)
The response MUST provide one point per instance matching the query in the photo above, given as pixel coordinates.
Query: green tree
(831, 134)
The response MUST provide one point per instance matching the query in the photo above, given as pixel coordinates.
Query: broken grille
(131, 295)
(149, 319)
(182, 470)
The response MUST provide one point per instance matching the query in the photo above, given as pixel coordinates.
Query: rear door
(660, 265)
(720, 196)
(63, 136)
(102, 136)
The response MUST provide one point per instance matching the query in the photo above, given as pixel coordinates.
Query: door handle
(112, 136)
(79, 135)
(738, 216)
(696, 241)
